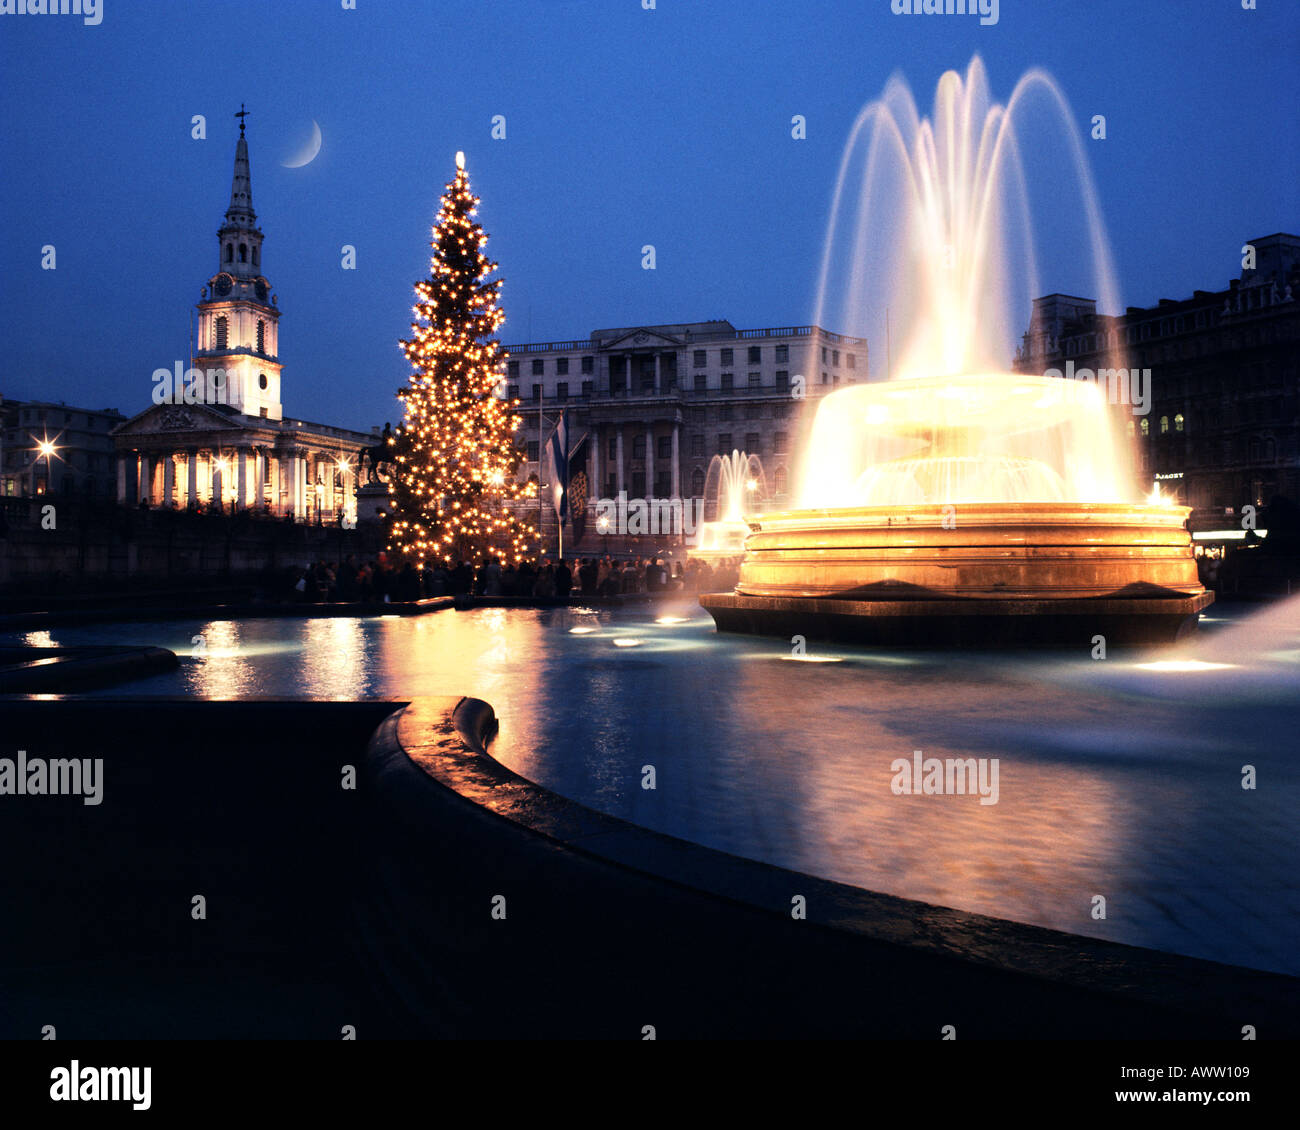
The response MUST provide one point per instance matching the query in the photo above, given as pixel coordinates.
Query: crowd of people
(379, 580)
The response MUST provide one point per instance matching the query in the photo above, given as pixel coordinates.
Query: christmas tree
(455, 455)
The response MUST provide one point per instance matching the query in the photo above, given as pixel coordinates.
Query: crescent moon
(307, 154)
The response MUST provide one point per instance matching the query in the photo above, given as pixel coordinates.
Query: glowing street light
(46, 449)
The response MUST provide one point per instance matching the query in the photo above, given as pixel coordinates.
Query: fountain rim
(987, 513)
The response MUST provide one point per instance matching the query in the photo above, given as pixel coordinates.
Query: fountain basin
(969, 574)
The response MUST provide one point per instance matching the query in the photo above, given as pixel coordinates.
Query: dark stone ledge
(611, 926)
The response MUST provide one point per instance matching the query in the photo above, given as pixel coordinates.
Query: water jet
(958, 504)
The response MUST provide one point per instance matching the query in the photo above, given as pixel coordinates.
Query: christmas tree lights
(455, 454)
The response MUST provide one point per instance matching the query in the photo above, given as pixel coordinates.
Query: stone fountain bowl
(1040, 550)
(997, 574)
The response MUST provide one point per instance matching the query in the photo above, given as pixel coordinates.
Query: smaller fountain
(733, 487)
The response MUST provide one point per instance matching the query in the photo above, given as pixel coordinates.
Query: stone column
(169, 480)
(192, 477)
(145, 479)
(594, 487)
(282, 488)
(121, 479)
(241, 482)
(619, 482)
(627, 377)
(677, 460)
(217, 489)
(650, 460)
(659, 384)
(300, 485)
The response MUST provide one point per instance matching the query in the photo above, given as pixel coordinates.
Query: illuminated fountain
(735, 487)
(958, 503)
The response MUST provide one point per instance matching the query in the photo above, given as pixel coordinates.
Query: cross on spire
(241, 116)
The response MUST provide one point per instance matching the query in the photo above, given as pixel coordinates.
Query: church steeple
(238, 316)
(241, 211)
(240, 237)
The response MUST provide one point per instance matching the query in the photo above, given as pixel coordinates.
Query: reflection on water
(1119, 778)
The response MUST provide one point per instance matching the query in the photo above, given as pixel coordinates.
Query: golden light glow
(454, 454)
(1183, 665)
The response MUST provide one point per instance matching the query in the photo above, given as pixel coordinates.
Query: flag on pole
(557, 460)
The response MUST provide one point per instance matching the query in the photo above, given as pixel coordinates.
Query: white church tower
(238, 333)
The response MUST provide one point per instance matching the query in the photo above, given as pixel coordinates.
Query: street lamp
(45, 449)
(342, 485)
(602, 524)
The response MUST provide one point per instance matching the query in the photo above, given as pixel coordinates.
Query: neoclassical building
(651, 405)
(217, 432)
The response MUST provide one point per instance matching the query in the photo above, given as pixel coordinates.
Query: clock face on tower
(223, 284)
(260, 288)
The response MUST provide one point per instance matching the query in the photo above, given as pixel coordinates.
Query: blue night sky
(624, 127)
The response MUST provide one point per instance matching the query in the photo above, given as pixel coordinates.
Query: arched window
(230, 252)
(255, 262)
(1132, 428)
(261, 346)
(1178, 422)
(697, 483)
(262, 382)
(243, 253)
(1146, 427)
(1164, 425)
(779, 480)
(223, 328)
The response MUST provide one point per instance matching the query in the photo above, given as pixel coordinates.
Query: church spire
(240, 214)
(240, 239)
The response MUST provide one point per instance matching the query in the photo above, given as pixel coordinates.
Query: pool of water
(1117, 777)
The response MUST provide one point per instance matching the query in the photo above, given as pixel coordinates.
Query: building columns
(261, 476)
(618, 458)
(650, 460)
(216, 482)
(595, 487)
(241, 482)
(121, 480)
(658, 374)
(282, 501)
(677, 460)
(192, 477)
(169, 480)
(145, 478)
(299, 486)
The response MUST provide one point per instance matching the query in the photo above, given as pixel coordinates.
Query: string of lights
(455, 453)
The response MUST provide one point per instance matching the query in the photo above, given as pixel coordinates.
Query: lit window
(1179, 422)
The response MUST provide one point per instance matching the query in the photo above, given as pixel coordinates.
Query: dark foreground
(444, 896)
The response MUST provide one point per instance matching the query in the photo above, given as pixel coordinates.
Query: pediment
(643, 339)
(180, 418)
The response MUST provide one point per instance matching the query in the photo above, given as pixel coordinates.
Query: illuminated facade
(217, 433)
(651, 405)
